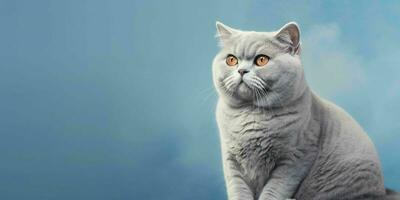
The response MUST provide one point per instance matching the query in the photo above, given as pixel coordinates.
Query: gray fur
(278, 139)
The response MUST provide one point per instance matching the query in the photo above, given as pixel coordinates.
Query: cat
(279, 140)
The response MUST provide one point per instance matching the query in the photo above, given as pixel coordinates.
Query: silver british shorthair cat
(278, 139)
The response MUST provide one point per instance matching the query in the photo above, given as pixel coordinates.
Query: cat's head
(259, 68)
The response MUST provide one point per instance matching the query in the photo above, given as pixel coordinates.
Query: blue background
(104, 99)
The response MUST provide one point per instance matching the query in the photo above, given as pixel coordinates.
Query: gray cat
(278, 139)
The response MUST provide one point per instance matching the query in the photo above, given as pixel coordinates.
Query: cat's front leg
(237, 188)
(283, 183)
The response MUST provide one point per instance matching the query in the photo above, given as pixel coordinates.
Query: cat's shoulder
(340, 129)
(329, 111)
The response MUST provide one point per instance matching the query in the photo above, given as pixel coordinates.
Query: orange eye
(261, 60)
(231, 60)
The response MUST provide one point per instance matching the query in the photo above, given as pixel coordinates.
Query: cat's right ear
(224, 32)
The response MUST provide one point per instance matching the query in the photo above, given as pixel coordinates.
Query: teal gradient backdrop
(106, 99)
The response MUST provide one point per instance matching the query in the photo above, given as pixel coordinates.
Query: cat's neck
(302, 104)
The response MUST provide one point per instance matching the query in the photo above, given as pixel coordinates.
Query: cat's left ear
(224, 32)
(290, 35)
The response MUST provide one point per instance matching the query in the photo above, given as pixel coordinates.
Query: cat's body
(343, 165)
(278, 139)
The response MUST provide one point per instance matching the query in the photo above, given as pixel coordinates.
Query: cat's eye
(231, 60)
(261, 60)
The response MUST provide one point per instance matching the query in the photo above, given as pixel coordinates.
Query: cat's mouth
(245, 84)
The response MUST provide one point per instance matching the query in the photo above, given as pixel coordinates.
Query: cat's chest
(257, 136)
(252, 138)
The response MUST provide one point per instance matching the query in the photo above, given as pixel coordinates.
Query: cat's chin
(244, 92)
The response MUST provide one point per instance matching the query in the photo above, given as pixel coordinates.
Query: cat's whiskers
(265, 95)
(260, 87)
(229, 82)
(259, 96)
(207, 93)
(264, 101)
(226, 80)
(257, 99)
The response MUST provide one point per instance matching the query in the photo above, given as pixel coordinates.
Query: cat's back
(340, 133)
(347, 164)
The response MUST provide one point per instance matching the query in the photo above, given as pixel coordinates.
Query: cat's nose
(242, 71)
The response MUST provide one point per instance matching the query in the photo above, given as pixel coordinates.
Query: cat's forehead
(249, 44)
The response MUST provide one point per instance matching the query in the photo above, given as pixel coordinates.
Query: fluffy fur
(278, 139)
